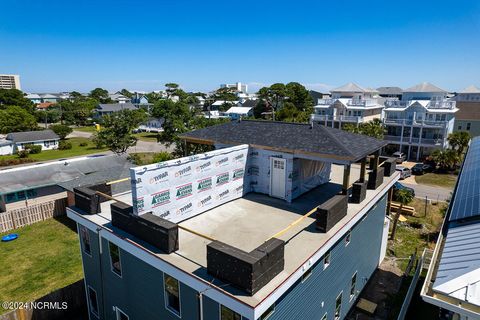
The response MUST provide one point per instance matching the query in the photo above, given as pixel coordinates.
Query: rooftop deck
(248, 222)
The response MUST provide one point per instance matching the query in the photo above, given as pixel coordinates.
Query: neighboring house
(238, 87)
(420, 122)
(44, 105)
(47, 139)
(222, 104)
(390, 92)
(42, 182)
(10, 81)
(48, 97)
(35, 98)
(468, 116)
(140, 100)
(236, 113)
(119, 98)
(220, 241)
(316, 95)
(453, 275)
(152, 125)
(109, 108)
(350, 103)
(248, 103)
(6, 147)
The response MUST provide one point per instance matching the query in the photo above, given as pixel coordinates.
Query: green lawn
(437, 180)
(45, 257)
(90, 129)
(146, 136)
(76, 150)
(418, 231)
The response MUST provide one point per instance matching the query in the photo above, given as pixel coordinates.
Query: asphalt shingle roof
(424, 87)
(31, 136)
(471, 89)
(316, 140)
(349, 87)
(390, 90)
(115, 107)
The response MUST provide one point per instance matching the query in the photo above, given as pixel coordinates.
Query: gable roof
(298, 138)
(114, 107)
(249, 103)
(390, 90)
(239, 110)
(350, 87)
(32, 136)
(471, 89)
(425, 87)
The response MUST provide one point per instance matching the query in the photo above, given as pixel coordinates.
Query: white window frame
(119, 259)
(118, 311)
(220, 311)
(173, 311)
(329, 255)
(96, 314)
(355, 275)
(340, 311)
(265, 317)
(84, 230)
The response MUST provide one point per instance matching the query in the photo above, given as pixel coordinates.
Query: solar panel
(466, 202)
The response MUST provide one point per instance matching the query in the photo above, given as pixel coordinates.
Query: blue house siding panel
(140, 291)
(91, 267)
(304, 299)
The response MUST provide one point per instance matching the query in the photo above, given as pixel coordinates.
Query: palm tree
(459, 140)
(404, 197)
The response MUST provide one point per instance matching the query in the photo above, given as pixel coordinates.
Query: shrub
(23, 153)
(33, 148)
(61, 130)
(162, 156)
(64, 145)
(83, 144)
(14, 161)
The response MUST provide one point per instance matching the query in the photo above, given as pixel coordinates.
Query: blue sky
(140, 45)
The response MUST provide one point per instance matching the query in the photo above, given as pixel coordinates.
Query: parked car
(398, 186)
(399, 156)
(404, 172)
(421, 168)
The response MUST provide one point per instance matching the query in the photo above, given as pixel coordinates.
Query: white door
(278, 170)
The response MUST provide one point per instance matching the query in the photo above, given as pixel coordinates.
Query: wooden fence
(17, 218)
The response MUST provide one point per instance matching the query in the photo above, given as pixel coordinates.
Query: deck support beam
(346, 178)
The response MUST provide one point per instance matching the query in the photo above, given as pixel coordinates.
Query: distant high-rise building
(239, 87)
(10, 81)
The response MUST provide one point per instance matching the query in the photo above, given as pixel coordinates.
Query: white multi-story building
(10, 81)
(421, 121)
(238, 86)
(349, 103)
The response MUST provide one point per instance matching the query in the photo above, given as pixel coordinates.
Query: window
(85, 239)
(10, 197)
(228, 314)
(268, 312)
(92, 301)
(306, 274)
(324, 316)
(468, 126)
(121, 315)
(172, 294)
(326, 260)
(353, 286)
(348, 237)
(338, 306)
(459, 128)
(115, 262)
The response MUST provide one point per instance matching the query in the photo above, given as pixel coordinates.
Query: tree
(171, 89)
(459, 141)
(61, 130)
(14, 118)
(372, 128)
(14, 97)
(78, 110)
(116, 132)
(445, 159)
(178, 118)
(403, 196)
(101, 95)
(126, 93)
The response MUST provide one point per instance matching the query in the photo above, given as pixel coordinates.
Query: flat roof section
(248, 222)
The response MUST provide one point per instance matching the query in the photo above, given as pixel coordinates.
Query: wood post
(346, 178)
(376, 159)
(389, 202)
(363, 169)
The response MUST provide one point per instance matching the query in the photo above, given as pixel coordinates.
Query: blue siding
(361, 255)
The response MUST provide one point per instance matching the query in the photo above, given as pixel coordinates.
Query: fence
(16, 218)
(423, 263)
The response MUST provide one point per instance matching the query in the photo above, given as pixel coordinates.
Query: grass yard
(418, 231)
(45, 257)
(437, 180)
(76, 150)
(146, 136)
(90, 129)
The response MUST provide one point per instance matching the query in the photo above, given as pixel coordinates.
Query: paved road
(433, 193)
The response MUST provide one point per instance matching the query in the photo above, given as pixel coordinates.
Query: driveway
(79, 134)
(432, 193)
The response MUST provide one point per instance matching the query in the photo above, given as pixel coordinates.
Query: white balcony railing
(320, 117)
(349, 102)
(433, 104)
(417, 122)
(415, 140)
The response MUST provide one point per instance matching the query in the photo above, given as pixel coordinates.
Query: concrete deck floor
(249, 221)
